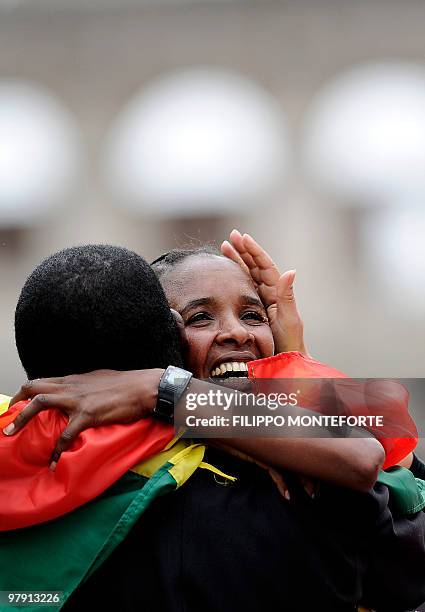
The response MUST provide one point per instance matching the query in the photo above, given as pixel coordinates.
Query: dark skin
(107, 397)
(80, 397)
(215, 328)
(230, 325)
(275, 289)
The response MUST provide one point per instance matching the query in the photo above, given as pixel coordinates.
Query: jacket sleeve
(395, 574)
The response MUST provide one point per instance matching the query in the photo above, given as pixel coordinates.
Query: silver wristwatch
(172, 385)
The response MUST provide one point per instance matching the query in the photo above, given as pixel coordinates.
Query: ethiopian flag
(60, 554)
(58, 527)
(30, 493)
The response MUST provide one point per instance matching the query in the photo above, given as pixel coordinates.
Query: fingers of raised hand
(261, 265)
(288, 316)
(259, 255)
(229, 251)
(238, 244)
(285, 286)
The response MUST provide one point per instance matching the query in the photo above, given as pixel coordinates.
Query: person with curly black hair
(93, 307)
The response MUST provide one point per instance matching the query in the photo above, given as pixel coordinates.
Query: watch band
(172, 385)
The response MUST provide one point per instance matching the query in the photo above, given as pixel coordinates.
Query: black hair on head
(92, 307)
(167, 261)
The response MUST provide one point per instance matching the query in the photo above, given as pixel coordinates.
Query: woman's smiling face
(225, 322)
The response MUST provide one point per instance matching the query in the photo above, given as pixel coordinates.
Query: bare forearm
(107, 397)
(353, 461)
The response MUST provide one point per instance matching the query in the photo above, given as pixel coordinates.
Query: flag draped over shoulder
(59, 555)
(57, 528)
(398, 436)
(45, 546)
(30, 493)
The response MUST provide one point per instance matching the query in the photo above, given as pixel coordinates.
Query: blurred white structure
(365, 135)
(197, 142)
(39, 153)
(95, 55)
(394, 258)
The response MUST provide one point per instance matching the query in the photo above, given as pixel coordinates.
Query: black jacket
(214, 548)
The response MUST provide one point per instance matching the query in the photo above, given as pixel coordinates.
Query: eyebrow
(248, 300)
(200, 302)
(252, 301)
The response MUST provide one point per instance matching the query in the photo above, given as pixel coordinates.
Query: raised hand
(276, 290)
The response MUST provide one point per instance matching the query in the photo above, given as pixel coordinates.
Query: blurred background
(151, 124)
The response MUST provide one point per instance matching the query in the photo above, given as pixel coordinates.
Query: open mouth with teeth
(230, 369)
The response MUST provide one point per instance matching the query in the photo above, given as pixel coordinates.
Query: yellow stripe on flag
(4, 403)
(185, 458)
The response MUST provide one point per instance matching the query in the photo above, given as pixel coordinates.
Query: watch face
(171, 387)
(172, 377)
(175, 377)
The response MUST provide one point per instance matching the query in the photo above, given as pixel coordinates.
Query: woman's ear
(180, 324)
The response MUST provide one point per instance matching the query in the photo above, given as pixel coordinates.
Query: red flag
(31, 493)
(398, 436)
